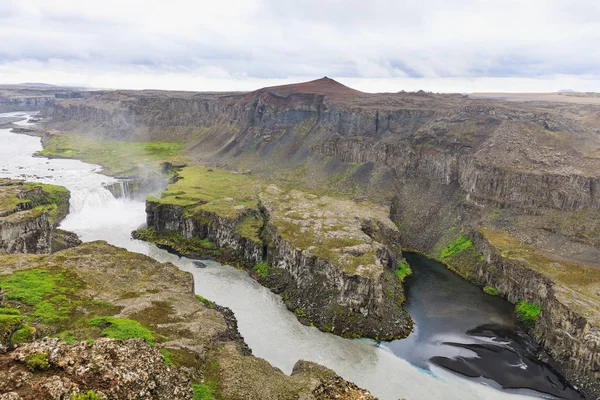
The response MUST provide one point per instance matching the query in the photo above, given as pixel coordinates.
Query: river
(444, 306)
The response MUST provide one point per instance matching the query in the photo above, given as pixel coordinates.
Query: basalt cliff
(97, 322)
(505, 193)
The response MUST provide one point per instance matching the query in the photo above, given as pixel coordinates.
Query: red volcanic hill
(324, 86)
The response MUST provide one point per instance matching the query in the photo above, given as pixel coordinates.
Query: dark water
(459, 327)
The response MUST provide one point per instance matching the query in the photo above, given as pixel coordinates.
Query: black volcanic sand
(460, 328)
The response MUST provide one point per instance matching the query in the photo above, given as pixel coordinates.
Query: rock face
(23, 229)
(332, 260)
(26, 233)
(570, 319)
(28, 214)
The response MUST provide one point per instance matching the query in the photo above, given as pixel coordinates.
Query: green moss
(89, 395)
(460, 244)
(23, 335)
(37, 362)
(212, 190)
(403, 270)
(262, 269)
(491, 290)
(117, 157)
(30, 286)
(121, 328)
(55, 201)
(249, 227)
(177, 242)
(527, 313)
(66, 336)
(9, 311)
(206, 302)
(166, 354)
(43, 289)
(202, 392)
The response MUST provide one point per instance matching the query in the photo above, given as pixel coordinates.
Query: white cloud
(545, 44)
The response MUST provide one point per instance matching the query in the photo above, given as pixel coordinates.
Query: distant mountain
(35, 84)
(566, 91)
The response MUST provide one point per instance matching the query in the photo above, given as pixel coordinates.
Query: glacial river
(457, 326)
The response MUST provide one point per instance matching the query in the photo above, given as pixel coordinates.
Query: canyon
(515, 183)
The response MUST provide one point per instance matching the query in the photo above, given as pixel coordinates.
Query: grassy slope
(117, 157)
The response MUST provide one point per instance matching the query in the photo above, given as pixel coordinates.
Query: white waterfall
(98, 197)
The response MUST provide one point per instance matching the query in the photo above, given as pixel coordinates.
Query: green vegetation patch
(527, 313)
(166, 355)
(117, 157)
(403, 270)
(206, 302)
(121, 328)
(179, 243)
(459, 245)
(37, 362)
(491, 290)
(48, 292)
(200, 188)
(23, 335)
(202, 392)
(249, 227)
(262, 269)
(55, 201)
(89, 395)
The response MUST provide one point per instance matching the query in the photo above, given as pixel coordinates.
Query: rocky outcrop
(568, 326)
(111, 369)
(28, 214)
(26, 232)
(331, 260)
(62, 240)
(220, 231)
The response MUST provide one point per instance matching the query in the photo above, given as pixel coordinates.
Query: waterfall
(94, 198)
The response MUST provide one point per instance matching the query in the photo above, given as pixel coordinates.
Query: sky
(374, 46)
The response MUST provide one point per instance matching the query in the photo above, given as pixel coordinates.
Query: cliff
(34, 98)
(326, 256)
(28, 214)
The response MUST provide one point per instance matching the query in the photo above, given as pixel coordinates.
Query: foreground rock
(332, 260)
(96, 290)
(111, 369)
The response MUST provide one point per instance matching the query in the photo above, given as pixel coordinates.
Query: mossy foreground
(117, 157)
(96, 290)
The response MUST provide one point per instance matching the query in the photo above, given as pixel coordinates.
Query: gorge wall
(28, 214)
(345, 285)
(449, 165)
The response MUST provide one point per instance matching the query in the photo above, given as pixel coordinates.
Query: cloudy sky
(375, 45)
